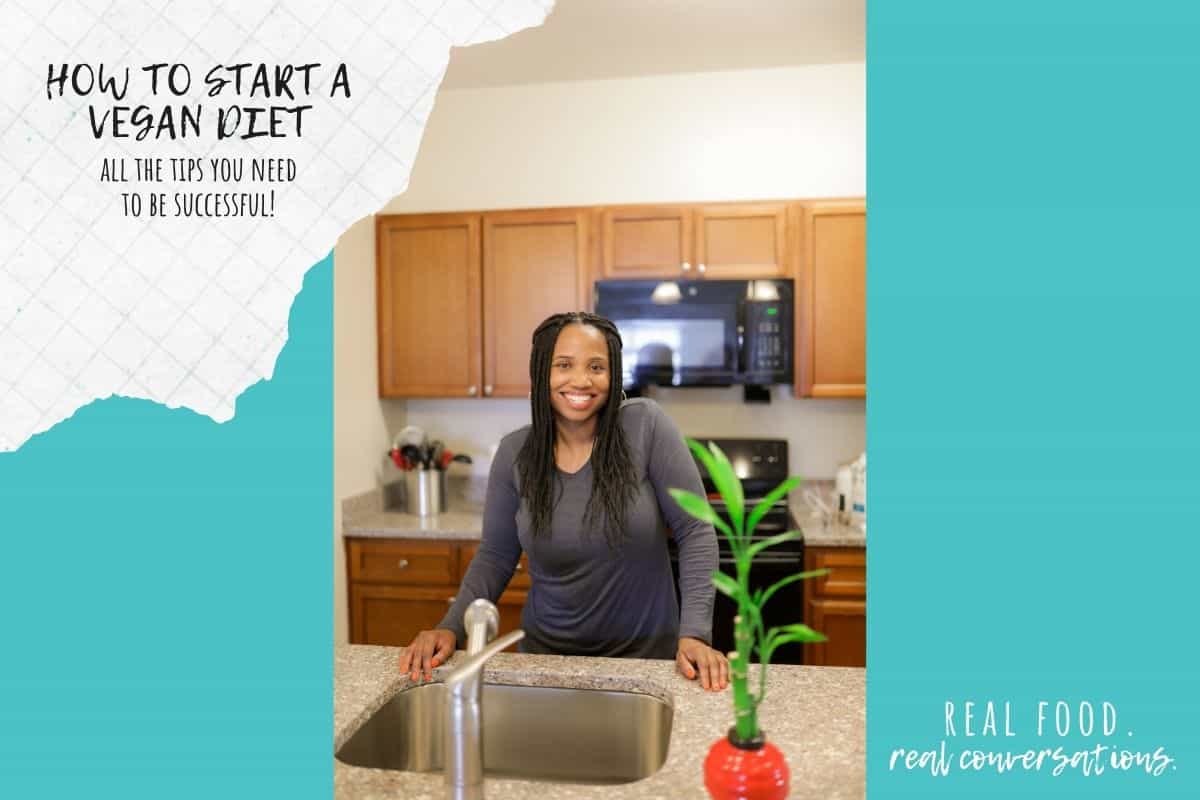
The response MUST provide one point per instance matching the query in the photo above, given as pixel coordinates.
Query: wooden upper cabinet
(645, 242)
(742, 241)
(534, 265)
(459, 295)
(832, 315)
(428, 297)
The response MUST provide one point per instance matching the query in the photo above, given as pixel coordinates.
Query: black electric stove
(761, 464)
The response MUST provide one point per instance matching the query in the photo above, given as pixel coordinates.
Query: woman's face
(579, 376)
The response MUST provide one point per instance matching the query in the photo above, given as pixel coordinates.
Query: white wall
(361, 424)
(756, 134)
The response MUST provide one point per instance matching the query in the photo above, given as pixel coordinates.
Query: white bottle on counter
(858, 507)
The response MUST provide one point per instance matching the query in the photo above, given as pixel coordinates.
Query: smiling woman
(583, 491)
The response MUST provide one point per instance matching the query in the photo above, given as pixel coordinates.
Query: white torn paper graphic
(169, 170)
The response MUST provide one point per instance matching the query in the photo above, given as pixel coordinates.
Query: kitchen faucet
(464, 730)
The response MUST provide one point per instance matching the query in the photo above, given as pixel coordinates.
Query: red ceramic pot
(754, 770)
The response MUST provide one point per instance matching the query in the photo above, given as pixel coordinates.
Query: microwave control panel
(768, 331)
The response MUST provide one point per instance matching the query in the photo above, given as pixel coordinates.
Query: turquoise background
(166, 586)
(1032, 425)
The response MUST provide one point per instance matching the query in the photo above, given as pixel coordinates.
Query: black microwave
(701, 333)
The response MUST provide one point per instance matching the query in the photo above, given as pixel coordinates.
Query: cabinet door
(392, 615)
(832, 333)
(847, 571)
(742, 240)
(845, 623)
(429, 306)
(836, 605)
(406, 561)
(646, 242)
(520, 578)
(534, 265)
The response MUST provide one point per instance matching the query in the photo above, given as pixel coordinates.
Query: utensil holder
(426, 490)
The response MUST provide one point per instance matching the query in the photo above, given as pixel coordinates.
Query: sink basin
(533, 733)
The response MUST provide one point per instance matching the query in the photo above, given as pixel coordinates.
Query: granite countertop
(817, 534)
(368, 516)
(375, 514)
(815, 715)
(401, 525)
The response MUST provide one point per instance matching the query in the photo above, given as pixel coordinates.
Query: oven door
(786, 606)
(675, 333)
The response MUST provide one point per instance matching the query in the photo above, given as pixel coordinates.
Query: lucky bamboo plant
(749, 632)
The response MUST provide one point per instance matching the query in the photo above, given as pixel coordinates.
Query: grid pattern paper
(191, 311)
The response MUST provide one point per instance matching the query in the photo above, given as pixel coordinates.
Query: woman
(583, 491)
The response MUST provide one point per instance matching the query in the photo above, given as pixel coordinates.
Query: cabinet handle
(450, 600)
(700, 268)
(487, 390)
(520, 566)
(472, 390)
(402, 563)
(687, 267)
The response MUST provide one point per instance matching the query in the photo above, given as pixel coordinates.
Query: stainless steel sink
(530, 733)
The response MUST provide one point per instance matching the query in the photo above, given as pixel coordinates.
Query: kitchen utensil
(462, 458)
(445, 460)
(400, 461)
(412, 454)
(410, 434)
(435, 453)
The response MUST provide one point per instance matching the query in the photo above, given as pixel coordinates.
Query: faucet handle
(473, 664)
(481, 620)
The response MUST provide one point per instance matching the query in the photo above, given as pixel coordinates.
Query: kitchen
(699, 145)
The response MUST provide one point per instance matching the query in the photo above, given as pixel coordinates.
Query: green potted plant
(743, 764)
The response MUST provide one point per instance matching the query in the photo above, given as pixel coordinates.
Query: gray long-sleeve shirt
(584, 598)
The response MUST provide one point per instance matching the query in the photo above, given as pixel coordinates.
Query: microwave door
(682, 346)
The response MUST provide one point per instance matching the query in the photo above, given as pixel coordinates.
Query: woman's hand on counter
(427, 650)
(696, 659)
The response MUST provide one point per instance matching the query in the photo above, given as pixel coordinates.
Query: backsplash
(821, 433)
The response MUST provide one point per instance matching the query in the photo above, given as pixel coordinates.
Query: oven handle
(765, 560)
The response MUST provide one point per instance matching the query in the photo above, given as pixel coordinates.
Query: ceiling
(604, 39)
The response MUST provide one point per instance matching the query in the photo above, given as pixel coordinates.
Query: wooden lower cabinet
(393, 615)
(845, 623)
(400, 587)
(836, 605)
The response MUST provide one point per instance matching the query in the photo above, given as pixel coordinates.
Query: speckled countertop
(370, 515)
(815, 715)
(366, 516)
